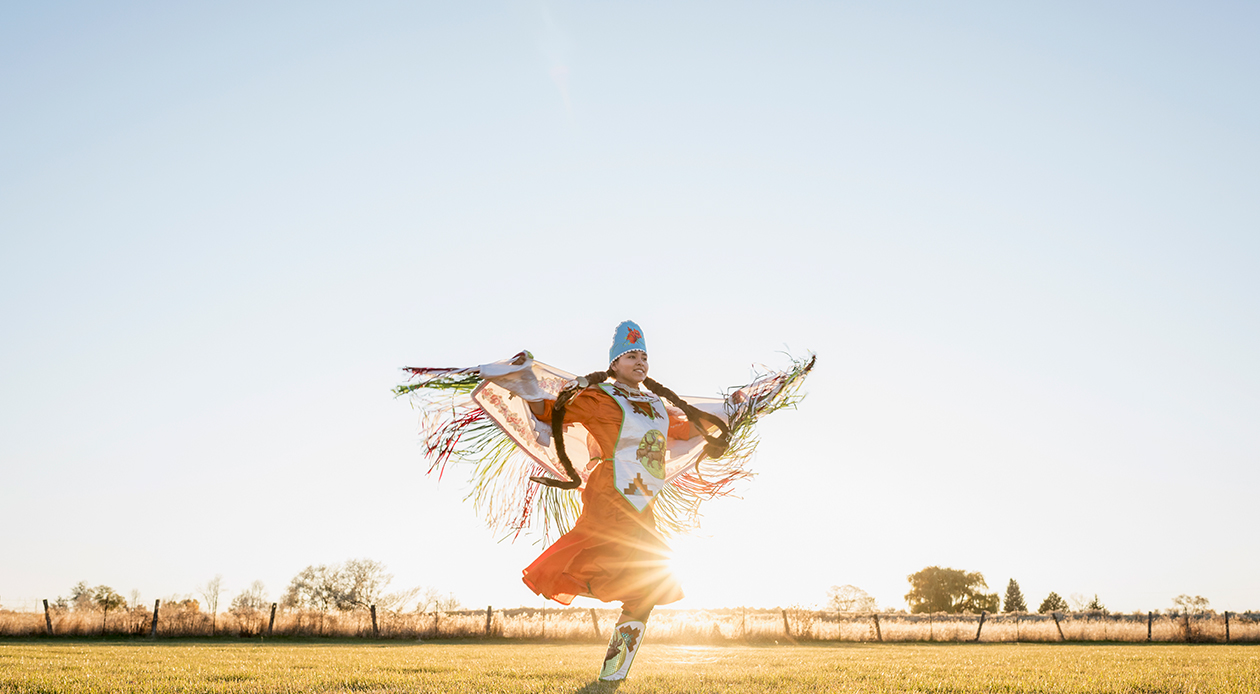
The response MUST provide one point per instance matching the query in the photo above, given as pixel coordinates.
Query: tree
(357, 584)
(107, 598)
(248, 607)
(210, 591)
(252, 598)
(1096, 604)
(1053, 603)
(447, 604)
(849, 598)
(315, 587)
(81, 597)
(934, 589)
(432, 600)
(1191, 605)
(1014, 598)
(363, 583)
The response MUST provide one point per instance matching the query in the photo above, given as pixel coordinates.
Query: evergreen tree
(1053, 603)
(1096, 604)
(1014, 598)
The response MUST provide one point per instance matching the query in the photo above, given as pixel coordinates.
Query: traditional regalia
(607, 464)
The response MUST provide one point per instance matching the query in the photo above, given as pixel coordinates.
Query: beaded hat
(628, 338)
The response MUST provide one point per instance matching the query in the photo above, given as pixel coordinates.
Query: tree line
(937, 589)
(351, 585)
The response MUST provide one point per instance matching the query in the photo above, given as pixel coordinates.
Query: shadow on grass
(598, 687)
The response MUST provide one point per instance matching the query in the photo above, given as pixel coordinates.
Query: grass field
(112, 666)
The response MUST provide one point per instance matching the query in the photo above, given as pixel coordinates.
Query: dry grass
(582, 625)
(78, 666)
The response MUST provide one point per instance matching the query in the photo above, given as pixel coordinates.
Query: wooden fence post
(489, 616)
(1186, 623)
(1056, 625)
(595, 623)
(271, 623)
(931, 636)
(787, 628)
(982, 616)
(743, 622)
(879, 635)
(1226, 624)
(1150, 617)
(48, 621)
(153, 627)
(376, 632)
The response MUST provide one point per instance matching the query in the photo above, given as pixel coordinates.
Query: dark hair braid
(715, 446)
(557, 429)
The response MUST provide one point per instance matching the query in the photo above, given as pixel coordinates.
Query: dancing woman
(643, 458)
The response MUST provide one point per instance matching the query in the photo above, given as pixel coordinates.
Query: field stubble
(88, 667)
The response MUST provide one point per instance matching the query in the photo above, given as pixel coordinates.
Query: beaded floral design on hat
(627, 338)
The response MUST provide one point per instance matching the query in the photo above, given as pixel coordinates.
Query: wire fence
(735, 625)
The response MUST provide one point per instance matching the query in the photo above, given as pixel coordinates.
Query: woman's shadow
(598, 687)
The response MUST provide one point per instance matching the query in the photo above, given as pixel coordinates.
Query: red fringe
(442, 443)
(713, 487)
(426, 370)
(527, 505)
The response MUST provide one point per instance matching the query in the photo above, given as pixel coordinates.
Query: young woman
(641, 456)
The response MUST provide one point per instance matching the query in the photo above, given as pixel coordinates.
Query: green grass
(110, 666)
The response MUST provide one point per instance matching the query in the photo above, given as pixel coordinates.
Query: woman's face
(631, 368)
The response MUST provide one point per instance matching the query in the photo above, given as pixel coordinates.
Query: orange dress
(613, 553)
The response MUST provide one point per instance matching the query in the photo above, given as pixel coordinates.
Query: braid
(557, 429)
(717, 445)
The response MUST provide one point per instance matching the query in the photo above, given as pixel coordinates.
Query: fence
(184, 619)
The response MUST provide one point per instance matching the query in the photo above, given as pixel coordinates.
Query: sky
(1021, 238)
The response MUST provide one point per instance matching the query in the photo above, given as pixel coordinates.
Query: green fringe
(503, 495)
(766, 394)
(459, 383)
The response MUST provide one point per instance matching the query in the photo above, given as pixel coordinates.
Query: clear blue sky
(1022, 239)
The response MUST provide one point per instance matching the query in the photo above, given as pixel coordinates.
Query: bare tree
(427, 600)
(254, 597)
(315, 587)
(363, 583)
(849, 598)
(210, 591)
(1194, 605)
(248, 607)
(400, 601)
(447, 604)
(357, 584)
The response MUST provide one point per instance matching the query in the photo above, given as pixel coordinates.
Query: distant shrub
(1053, 603)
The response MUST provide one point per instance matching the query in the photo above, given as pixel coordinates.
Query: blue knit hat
(628, 338)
